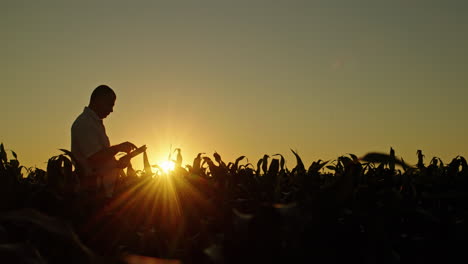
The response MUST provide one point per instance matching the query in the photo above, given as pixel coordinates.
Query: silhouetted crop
(376, 208)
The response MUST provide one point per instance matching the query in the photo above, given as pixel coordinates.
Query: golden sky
(250, 78)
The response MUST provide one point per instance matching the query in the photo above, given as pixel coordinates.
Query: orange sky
(250, 78)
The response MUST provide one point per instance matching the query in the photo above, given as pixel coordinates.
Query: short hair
(101, 91)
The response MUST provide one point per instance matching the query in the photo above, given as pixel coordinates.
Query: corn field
(370, 209)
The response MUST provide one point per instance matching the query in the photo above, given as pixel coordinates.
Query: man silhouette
(91, 147)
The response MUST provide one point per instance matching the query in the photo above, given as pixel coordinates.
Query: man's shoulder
(82, 120)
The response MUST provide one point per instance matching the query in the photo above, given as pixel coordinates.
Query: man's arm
(85, 136)
(107, 154)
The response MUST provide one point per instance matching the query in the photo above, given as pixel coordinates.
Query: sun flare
(167, 166)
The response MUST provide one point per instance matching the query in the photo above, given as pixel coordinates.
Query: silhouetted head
(102, 101)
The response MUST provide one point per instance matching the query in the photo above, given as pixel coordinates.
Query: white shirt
(88, 136)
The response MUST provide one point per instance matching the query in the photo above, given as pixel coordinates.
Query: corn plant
(373, 207)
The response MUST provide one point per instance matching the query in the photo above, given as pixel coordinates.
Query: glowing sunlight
(167, 166)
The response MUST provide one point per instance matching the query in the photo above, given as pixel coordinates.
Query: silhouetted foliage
(372, 209)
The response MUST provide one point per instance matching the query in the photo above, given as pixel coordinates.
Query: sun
(167, 166)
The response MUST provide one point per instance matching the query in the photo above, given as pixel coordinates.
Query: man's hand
(126, 147)
(107, 154)
(123, 162)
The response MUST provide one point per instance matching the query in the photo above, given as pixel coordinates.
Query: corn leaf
(217, 157)
(259, 164)
(178, 161)
(146, 164)
(130, 171)
(300, 166)
(282, 162)
(392, 160)
(354, 157)
(236, 163)
(420, 159)
(3, 155)
(265, 164)
(383, 159)
(197, 163)
(274, 167)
